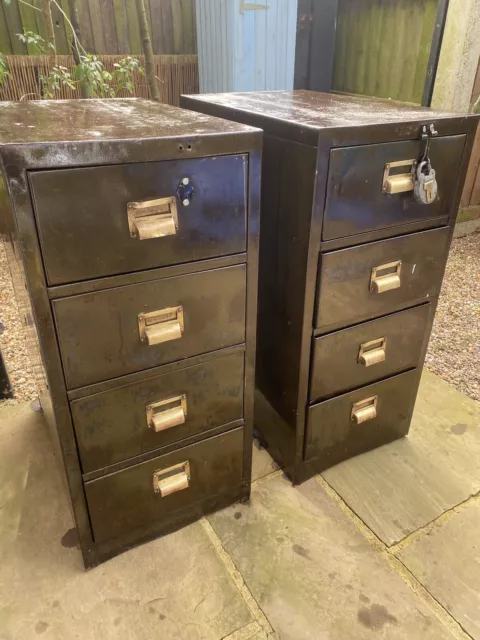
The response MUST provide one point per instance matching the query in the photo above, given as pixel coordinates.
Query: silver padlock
(425, 184)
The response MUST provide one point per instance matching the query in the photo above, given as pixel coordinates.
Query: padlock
(425, 184)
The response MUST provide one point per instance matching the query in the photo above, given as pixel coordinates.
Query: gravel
(454, 349)
(453, 353)
(12, 341)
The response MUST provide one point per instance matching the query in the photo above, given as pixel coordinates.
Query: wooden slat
(412, 42)
(40, 28)
(351, 36)
(167, 26)
(426, 31)
(396, 49)
(29, 23)
(373, 49)
(14, 26)
(177, 25)
(5, 43)
(339, 66)
(85, 25)
(362, 42)
(121, 26)
(61, 38)
(97, 26)
(188, 26)
(133, 28)
(108, 23)
(157, 28)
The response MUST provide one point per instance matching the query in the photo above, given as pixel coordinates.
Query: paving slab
(313, 573)
(447, 563)
(403, 486)
(262, 462)
(174, 587)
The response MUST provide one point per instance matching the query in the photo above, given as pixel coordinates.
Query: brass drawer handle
(176, 478)
(161, 326)
(373, 352)
(400, 182)
(152, 218)
(364, 410)
(167, 413)
(386, 277)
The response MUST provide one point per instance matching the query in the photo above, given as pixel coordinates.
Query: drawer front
(125, 422)
(85, 208)
(349, 289)
(100, 333)
(356, 202)
(354, 357)
(333, 432)
(135, 498)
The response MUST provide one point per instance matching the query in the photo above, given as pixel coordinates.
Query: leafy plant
(123, 74)
(4, 72)
(88, 73)
(34, 39)
(59, 76)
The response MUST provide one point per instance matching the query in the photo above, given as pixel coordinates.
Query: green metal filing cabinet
(353, 245)
(134, 227)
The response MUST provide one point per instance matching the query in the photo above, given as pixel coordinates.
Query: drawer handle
(399, 182)
(386, 277)
(373, 352)
(176, 478)
(167, 413)
(161, 326)
(152, 218)
(364, 410)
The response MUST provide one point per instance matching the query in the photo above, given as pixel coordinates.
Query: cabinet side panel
(287, 193)
(30, 287)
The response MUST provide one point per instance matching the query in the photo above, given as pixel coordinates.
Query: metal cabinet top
(94, 122)
(57, 133)
(301, 115)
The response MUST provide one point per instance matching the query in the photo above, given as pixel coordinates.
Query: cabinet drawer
(380, 277)
(80, 209)
(333, 434)
(125, 422)
(100, 334)
(356, 202)
(136, 498)
(354, 357)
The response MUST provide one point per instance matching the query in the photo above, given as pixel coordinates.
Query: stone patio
(382, 546)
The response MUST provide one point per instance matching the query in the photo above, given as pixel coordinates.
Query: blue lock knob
(185, 191)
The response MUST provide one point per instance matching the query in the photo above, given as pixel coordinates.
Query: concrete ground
(385, 545)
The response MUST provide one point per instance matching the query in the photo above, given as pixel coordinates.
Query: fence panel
(176, 75)
(108, 26)
(382, 47)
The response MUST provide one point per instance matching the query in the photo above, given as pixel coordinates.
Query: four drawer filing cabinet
(351, 264)
(134, 228)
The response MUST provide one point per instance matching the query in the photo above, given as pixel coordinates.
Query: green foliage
(123, 74)
(34, 39)
(101, 82)
(90, 71)
(4, 72)
(59, 76)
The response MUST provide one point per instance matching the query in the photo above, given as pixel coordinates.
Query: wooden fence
(382, 47)
(176, 75)
(108, 26)
(470, 205)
